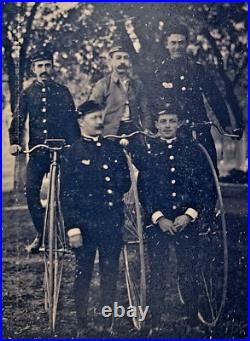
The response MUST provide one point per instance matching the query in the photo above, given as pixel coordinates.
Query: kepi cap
(88, 107)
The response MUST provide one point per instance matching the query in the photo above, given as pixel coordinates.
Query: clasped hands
(173, 227)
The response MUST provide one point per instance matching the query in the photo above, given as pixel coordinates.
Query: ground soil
(23, 298)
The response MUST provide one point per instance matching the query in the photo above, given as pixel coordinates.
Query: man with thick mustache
(95, 176)
(122, 96)
(52, 114)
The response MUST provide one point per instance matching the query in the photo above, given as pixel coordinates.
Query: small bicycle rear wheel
(133, 252)
(54, 247)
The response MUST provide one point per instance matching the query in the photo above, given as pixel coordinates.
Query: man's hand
(181, 222)
(238, 131)
(15, 149)
(75, 237)
(166, 225)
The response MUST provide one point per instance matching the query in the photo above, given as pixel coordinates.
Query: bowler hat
(88, 107)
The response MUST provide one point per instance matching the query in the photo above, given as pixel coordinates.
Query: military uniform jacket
(186, 82)
(109, 92)
(173, 177)
(51, 111)
(95, 177)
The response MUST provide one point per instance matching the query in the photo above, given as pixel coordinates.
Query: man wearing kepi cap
(95, 177)
(174, 185)
(122, 96)
(179, 78)
(52, 114)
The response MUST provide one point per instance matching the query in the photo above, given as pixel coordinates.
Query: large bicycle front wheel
(134, 252)
(213, 262)
(54, 247)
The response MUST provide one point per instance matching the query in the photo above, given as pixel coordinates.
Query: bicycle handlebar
(45, 146)
(192, 125)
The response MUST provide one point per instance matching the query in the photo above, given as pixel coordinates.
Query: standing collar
(90, 138)
(168, 140)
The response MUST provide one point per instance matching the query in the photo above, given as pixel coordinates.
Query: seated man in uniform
(174, 183)
(95, 176)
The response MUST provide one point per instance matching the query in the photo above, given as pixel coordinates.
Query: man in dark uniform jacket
(95, 176)
(122, 96)
(174, 183)
(181, 79)
(52, 114)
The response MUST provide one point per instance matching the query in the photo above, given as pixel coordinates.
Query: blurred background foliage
(81, 33)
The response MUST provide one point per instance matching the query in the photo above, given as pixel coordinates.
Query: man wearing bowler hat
(122, 96)
(95, 176)
(52, 114)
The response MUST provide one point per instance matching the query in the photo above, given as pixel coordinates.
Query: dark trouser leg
(158, 252)
(36, 169)
(186, 246)
(109, 252)
(85, 257)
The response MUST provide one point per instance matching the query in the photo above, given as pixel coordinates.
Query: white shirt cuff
(73, 232)
(192, 214)
(156, 216)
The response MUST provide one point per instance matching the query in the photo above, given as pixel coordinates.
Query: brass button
(44, 99)
(43, 90)
(107, 178)
(109, 191)
(45, 131)
(110, 204)
(98, 144)
(170, 146)
(174, 207)
(173, 181)
(182, 77)
(183, 88)
(172, 169)
(171, 157)
(105, 166)
(43, 109)
(44, 120)
(173, 194)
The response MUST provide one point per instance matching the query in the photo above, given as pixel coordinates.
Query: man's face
(120, 62)
(176, 45)
(92, 123)
(42, 69)
(167, 125)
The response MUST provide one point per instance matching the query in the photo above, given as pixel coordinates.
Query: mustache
(123, 66)
(44, 74)
(100, 126)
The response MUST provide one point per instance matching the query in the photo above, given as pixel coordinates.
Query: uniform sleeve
(72, 132)
(68, 192)
(146, 117)
(123, 174)
(202, 187)
(16, 128)
(98, 92)
(214, 98)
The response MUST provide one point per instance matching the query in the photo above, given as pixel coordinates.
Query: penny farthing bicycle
(134, 248)
(53, 246)
(213, 250)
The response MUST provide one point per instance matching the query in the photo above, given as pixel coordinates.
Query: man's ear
(156, 124)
